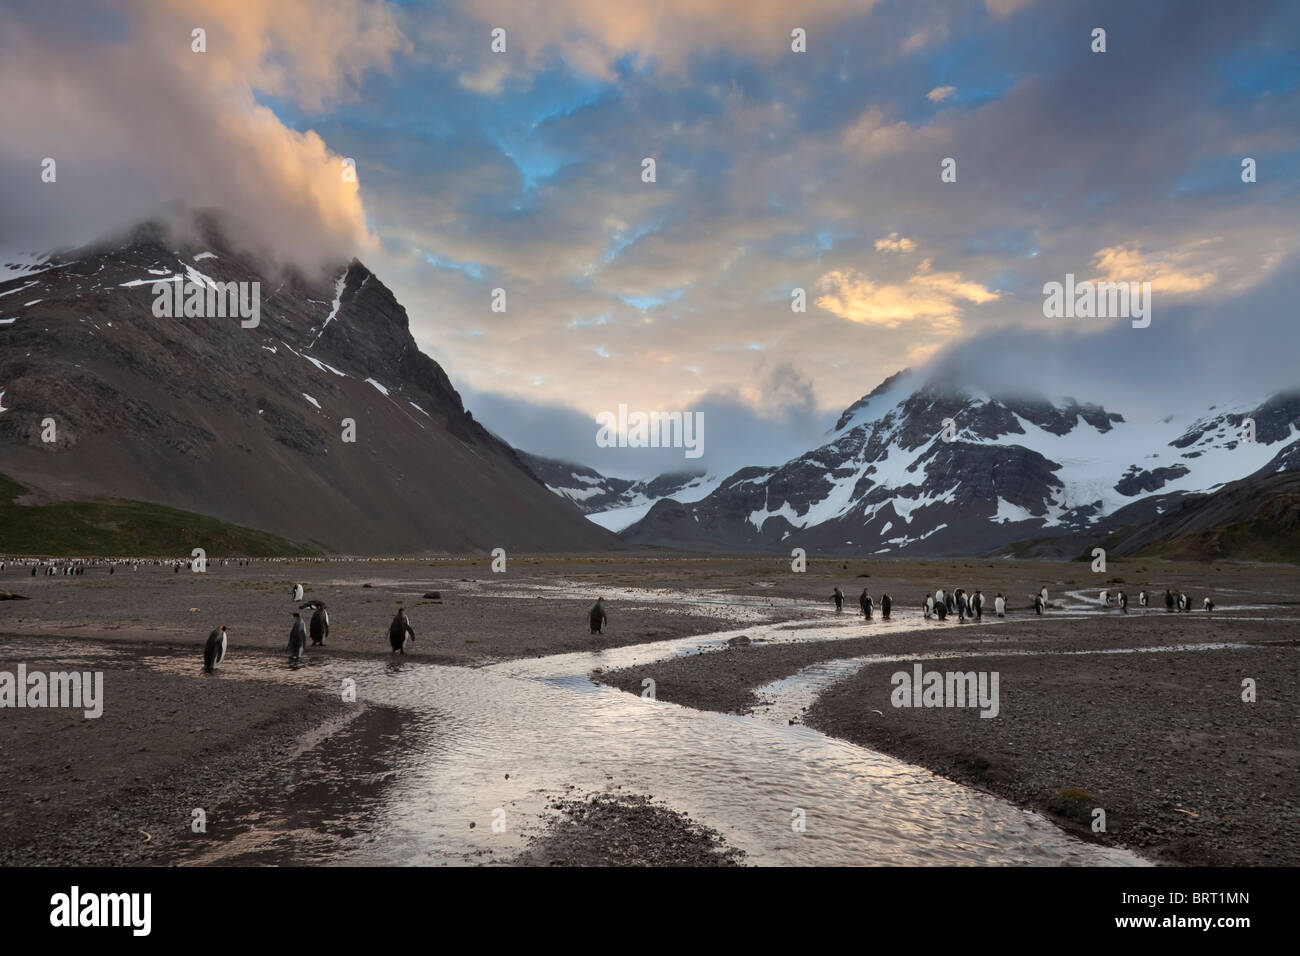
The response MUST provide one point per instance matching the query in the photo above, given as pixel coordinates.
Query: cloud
(940, 93)
(779, 420)
(872, 136)
(1166, 272)
(932, 298)
(141, 120)
(593, 35)
(893, 243)
(1005, 8)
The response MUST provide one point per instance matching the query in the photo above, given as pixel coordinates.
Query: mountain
(1256, 519)
(887, 482)
(615, 503)
(247, 425)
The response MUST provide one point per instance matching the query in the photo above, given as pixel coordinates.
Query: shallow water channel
(496, 743)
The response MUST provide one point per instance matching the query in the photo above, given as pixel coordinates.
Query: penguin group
(400, 633)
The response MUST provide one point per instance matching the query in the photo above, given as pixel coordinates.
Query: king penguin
(1209, 605)
(596, 617)
(1142, 598)
(320, 625)
(885, 606)
(928, 606)
(1000, 605)
(214, 651)
(297, 592)
(400, 632)
(297, 638)
(1039, 603)
(1123, 602)
(978, 605)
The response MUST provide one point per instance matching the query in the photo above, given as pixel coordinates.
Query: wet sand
(625, 830)
(172, 742)
(121, 789)
(481, 617)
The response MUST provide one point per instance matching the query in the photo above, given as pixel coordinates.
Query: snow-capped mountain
(615, 503)
(321, 422)
(924, 467)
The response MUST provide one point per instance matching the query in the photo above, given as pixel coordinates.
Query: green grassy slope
(113, 526)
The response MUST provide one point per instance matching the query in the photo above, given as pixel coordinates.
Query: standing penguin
(1105, 599)
(1184, 604)
(1123, 602)
(1039, 603)
(1169, 600)
(977, 605)
(400, 632)
(928, 606)
(941, 609)
(885, 606)
(596, 616)
(1042, 593)
(962, 604)
(297, 592)
(1000, 605)
(297, 638)
(865, 603)
(320, 625)
(1142, 598)
(838, 598)
(938, 597)
(950, 602)
(214, 651)
(1209, 605)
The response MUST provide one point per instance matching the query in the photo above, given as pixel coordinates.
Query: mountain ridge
(248, 424)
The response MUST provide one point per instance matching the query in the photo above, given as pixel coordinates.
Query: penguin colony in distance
(400, 632)
(214, 651)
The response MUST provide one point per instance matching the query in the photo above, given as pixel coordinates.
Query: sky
(775, 170)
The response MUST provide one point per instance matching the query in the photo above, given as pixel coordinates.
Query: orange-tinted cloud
(933, 298)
